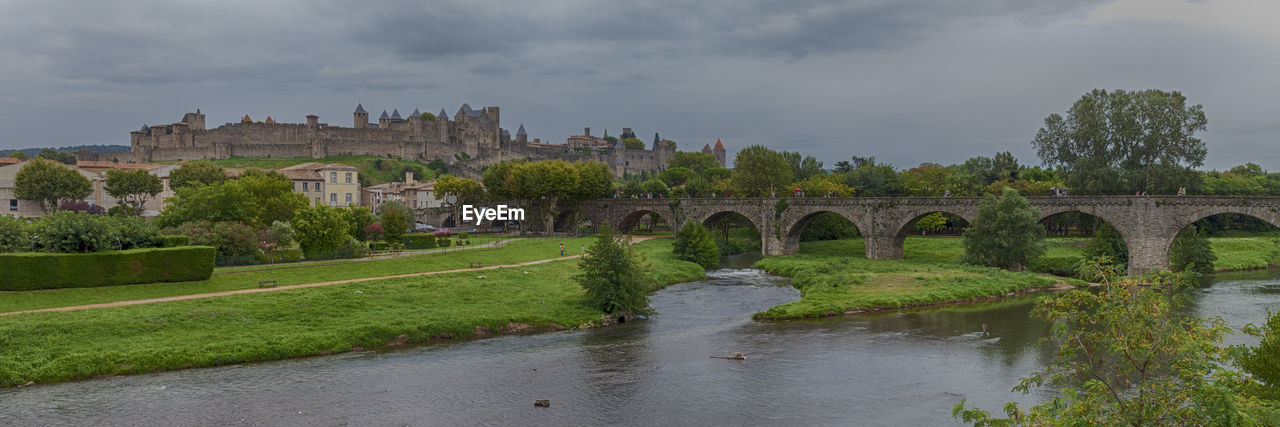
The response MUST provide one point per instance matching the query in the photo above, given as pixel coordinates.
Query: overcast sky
(907, 82)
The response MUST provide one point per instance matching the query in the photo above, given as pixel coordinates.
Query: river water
(908, 367)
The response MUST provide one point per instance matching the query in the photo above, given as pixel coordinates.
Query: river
(895, 368)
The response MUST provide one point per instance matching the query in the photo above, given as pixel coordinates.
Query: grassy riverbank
(834, 278)
(59, 346)
(1245, 253)
(284, 274)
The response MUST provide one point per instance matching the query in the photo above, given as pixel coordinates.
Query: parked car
(423, 228)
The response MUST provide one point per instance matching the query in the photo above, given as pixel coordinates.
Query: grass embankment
(284, 274)
(59, 346)
(1245, 253)
(373, 170)
(835, 278)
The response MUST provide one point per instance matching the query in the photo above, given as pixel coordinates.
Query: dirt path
(299, 286)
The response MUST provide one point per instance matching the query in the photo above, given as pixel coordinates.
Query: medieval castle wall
(471, 140)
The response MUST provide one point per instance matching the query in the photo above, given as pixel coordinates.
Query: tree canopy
(1122, 141)
(757, 170)
(197, 172)
(1005, 233)
(47, 182)
(133, 187)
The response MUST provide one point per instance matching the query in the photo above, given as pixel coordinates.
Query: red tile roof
(719, 145)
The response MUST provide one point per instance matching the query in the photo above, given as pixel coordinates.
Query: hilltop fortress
(469, 141)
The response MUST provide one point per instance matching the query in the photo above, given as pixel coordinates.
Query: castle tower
(246, 119)
(706, 149)
(719, 152)
(361, 117)
(442, 115)
(194, 120)
(270, 121)
(313, 120)
(384, 121)
(522, 136)
(415, 122)
(395, 116)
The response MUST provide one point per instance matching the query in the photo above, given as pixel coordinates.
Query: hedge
(39, 270)
(174, 240)
(419, 241)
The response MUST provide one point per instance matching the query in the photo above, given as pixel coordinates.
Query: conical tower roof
(442, 115)
(521, 131)
(384, 115)
(719, 145)
(360, 109)
(395, 114)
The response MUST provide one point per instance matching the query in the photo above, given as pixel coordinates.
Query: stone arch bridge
(1147, 224)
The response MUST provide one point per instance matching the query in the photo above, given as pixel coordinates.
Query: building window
(333, 177)
(305, 186)
(13, 204)
(333, 199)
(348, 198)
(348, 177)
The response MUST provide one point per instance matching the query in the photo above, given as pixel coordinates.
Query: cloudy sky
(907, 82)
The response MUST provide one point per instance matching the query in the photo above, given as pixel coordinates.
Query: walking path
(300, 286)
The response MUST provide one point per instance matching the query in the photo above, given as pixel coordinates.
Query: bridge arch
(791, 240)
(628, 221)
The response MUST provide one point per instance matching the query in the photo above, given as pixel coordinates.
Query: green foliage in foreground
(1191, 252)
(1260, 362)
(1126, 357)
(694, 243)
(58, 346)
(36, 270)
(1005, 233)
(833, 277)
(613, 275)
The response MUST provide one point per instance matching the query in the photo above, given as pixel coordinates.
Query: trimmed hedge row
(27, 271)
(174, 240)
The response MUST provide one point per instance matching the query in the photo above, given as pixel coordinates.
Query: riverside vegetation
(59, 346)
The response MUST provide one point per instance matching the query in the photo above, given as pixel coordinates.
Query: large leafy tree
(1005, 233)
(1191, 251)
(133, 187)
(1122, 141)
(197, 172)
(47, 182)
(824, 184)
(271, 197)
(320, 230)
(459, 191)
(757, 170)
(873, 179)
(394, 223)
(695, 161)
(928, 179)
(614, 275)
(802, 167)
(256, 198)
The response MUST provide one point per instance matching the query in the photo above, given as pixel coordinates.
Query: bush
(283, 232)
(131, 232)
(174, 240)
(31, 270)
(321, 231)
(232, 239)
(14, 234)
(1191, 252)
(71, 232)
(444, 242)
(1107, 242)
(694, 243)
(613, 274)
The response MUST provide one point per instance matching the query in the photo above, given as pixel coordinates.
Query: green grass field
(285, 274)
(58, 346)
(834, 277)
(375, 170)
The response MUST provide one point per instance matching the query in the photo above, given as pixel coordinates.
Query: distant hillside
(32, 152)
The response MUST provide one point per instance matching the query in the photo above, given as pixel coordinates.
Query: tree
(930, 222)
(394, 224)
(694, 243)
(58, 156)
(197, 172)
(256, 199)
(1107, 242)
(928, 179)
(655, 187)
(843, 166)
(757, 170)
(1121, 141)
(1126, 355)
(802, 168)
(823, 184)
(874, 180)
(633, 143)
(1005, 233)
(320, 230)
(133, 187)
(675, 176)
(48, 182)
(614, 275)
(271, 197)
(358, 217)
(459, 191)
(18, 155)
(1191, 252)
(695, 161)
(1260, 361)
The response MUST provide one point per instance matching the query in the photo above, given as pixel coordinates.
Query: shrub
(1108, 243)
(232, 239)
(321, 231)
(131, 232)
(31, 270)
(14, 234)
(694, 243)
(69, 232)
(613, 275)
(1191, 252)
(284, 233)
(174, 240)
(80, 206)
(444, 242)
